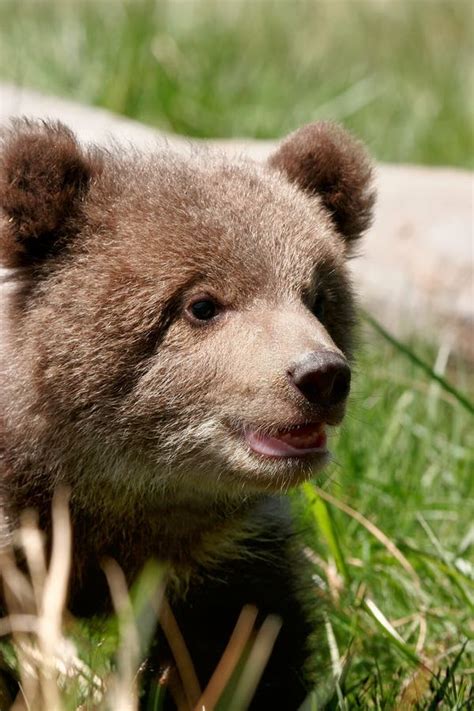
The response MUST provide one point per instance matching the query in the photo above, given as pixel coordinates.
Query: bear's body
(175, 340)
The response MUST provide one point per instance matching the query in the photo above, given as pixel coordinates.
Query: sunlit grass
(392, 537)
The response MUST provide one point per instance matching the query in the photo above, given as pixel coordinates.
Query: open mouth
(298, 441)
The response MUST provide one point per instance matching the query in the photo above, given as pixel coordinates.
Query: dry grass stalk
(49, 669)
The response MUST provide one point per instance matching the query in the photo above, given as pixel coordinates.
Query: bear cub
(176, 337)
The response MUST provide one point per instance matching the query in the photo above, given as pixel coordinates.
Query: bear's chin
(261, 474)
(245, 471)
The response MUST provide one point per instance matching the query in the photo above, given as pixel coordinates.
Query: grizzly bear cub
(175, 341)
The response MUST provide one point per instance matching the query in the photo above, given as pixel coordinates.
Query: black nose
(323, 377)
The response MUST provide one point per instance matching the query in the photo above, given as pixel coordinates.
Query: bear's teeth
(305, 436)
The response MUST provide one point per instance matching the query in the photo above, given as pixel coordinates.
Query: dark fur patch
(44, 175)
(323, 159)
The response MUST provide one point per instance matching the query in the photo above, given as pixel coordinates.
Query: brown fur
(108, 388)
(324, 160)
(43, 179)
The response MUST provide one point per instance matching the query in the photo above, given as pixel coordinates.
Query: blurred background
(396, 72)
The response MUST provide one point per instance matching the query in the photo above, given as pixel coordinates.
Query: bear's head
(181, 325)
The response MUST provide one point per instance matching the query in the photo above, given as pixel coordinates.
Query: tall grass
(391, 536)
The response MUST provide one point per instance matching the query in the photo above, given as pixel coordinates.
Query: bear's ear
(44, 176)
(323, 159)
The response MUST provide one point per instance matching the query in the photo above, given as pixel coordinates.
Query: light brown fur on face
(108, 386)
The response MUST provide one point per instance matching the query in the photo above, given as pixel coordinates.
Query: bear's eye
(319, 307)
(204, 309)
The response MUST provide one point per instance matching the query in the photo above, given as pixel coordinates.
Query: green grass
(398, 73)
(405, 461)
(399, 626)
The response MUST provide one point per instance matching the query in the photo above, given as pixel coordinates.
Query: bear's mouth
(298, 441)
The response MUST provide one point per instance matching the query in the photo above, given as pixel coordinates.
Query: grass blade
(390, 631)
(324, 521)
(419, 362)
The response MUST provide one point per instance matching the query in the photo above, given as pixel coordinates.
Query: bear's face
(181, 324)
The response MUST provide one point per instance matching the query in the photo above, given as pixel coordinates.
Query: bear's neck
(187, 533)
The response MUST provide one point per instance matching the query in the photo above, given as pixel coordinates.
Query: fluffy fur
(107, 386)
(324, 160)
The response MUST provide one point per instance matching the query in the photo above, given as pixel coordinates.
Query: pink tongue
(293, 443)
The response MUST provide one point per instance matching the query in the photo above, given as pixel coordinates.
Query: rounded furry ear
(323, 159)
(44, 175)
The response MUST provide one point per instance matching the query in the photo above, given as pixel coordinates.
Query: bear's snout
(323, 377)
